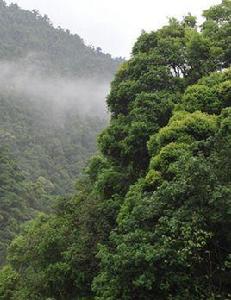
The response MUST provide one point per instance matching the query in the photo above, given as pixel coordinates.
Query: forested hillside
(52, 99)
(28, 35)
(151, 215)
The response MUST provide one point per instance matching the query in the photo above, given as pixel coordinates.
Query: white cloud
(114, 25)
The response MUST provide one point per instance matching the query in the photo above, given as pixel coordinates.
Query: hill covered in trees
(150, 218)
(31, 36)
(52, 99)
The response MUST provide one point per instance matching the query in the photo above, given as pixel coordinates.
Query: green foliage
(151, 215)
(42, 243)
(210, 95)
(46, 142)
(54, 50)
(8, 280)
(48, 145)
(13, 205)
(61, 248)
(217, 27)
(172, 239)
(54, 150)
(185, 128)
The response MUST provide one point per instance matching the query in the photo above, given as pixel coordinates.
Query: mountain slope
(52, 94)
(150, 218)
(28, 34)
(52, 98)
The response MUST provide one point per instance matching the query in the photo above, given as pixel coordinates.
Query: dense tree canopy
(150, 218)
(172, 239)
(48, 139)
(12, 201)
(32, 37)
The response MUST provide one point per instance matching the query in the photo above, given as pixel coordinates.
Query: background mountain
(27, 34)
(151, 214)
(150, 218)
(52, 99)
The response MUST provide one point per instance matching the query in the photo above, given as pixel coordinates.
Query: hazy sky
(113, 25)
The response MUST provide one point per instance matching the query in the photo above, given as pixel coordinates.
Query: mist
(62, 94)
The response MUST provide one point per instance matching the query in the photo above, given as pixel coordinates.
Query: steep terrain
(52, 99)
(28, 35)
(151, 215)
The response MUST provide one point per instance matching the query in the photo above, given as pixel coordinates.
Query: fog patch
(62, 94)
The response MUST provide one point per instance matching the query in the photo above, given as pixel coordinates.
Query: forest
(149, 215)
(52, 108)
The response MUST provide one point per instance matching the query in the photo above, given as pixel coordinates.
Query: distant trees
(151, 215)
(63, 52)
(44, 157)
(14, 208)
